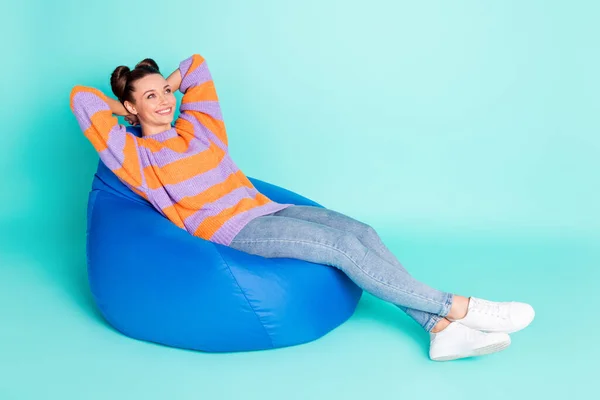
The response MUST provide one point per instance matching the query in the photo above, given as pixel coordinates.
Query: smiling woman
(185, 171)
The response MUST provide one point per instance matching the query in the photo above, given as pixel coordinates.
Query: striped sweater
(185, 172)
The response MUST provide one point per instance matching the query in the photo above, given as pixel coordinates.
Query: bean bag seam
(246, 298)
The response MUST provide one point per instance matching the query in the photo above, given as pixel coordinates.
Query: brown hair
(122, 78)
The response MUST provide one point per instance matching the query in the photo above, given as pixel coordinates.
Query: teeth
(168, 110)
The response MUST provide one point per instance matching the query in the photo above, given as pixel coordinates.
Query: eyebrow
(152, 90)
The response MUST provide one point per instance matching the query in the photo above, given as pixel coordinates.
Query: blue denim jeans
(324, 236)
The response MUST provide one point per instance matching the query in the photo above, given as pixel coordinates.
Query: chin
(166, 121)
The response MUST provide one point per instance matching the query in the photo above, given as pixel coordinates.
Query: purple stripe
(162, 136)
(166, 195)
(202, 132)
(166, 155)
(86, 104)
(113, 156)
(197, 77)
(116, 143)
(211, 209)
(185, 65)
(208, 107)
(108, 158)
(234, 225)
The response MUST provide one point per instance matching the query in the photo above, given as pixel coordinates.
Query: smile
(166, 111)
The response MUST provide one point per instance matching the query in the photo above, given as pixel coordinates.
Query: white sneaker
(459, 341)
(490, 316)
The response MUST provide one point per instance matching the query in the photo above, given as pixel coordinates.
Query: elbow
(74, 91)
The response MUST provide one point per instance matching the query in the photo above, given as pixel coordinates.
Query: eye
(168, 90)
(149, 96)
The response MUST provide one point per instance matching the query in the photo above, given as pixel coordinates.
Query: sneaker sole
(492, 348)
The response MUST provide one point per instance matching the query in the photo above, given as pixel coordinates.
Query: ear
(130, 107)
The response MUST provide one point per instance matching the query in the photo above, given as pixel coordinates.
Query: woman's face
(154, 101)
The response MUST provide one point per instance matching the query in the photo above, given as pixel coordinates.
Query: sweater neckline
(169, 133)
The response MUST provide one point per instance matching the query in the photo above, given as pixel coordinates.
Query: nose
(163, 100)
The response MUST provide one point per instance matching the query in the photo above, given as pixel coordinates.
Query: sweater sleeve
(118, 149)
(200, 103)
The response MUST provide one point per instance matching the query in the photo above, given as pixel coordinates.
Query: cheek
(147, 109)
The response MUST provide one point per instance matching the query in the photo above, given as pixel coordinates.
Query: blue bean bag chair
(153, 281)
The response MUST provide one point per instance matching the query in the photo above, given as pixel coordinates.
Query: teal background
(465, 132)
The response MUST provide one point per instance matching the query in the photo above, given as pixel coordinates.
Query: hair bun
(147, 63)
(118, 80)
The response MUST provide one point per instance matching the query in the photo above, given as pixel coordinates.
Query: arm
(119, 109)
(174, 80)
(117, 148)
(116, 107)
(200, 103)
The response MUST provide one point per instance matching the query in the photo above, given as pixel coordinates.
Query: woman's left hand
(132, 119)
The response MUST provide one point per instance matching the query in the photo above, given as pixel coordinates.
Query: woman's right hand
(132, 119)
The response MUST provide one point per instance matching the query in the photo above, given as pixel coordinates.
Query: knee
(347, 240)
(350, 245)
(369, 233)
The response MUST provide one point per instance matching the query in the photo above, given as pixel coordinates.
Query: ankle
(459, 308)
(440, 326)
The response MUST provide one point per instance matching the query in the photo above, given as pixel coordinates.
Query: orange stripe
(188, 206)
(246, 181)
(174, 143)
(185, 168)
(131, 162)
(178, 213)
(184, 128)
(197, 61)
(102, 123)
(206, 92)
(79, 88)
(173, 215)
(217, 127)
(203, 92)
(214, 192)
(210, 225)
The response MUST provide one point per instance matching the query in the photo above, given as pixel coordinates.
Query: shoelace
(491, 308)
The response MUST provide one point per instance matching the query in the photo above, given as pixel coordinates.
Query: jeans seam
(350, 258)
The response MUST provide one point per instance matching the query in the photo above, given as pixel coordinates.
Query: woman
(185, 171)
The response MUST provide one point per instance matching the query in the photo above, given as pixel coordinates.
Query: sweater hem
(227, 237)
